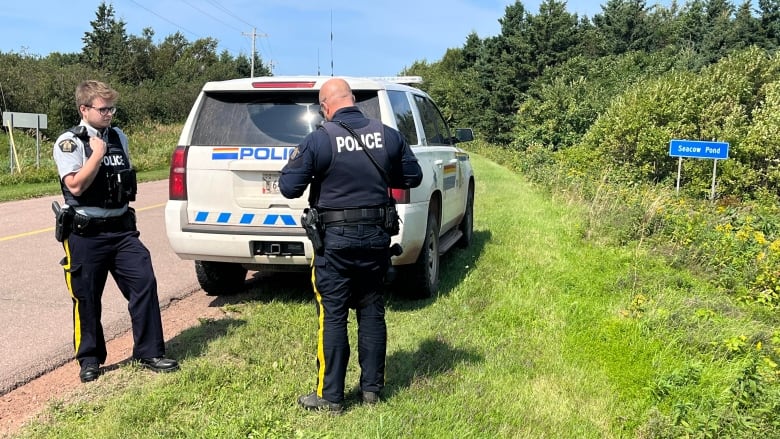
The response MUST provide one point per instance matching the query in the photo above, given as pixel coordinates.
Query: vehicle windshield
(232, 118)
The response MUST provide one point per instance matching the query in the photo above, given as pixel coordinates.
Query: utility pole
(254, 36)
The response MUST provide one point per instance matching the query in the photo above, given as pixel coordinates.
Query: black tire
(466, 225)
(424, 273)
(220, 278)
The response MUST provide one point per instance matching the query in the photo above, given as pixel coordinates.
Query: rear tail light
(401, 196)
(177, 179)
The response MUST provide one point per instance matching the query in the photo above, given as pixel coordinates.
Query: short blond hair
(87, 91)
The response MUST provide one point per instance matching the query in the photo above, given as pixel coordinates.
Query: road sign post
(25, 120)
(698, 150)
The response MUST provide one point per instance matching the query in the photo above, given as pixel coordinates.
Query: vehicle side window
(434, 127)
(402, 111)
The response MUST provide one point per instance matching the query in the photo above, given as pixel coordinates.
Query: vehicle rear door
(239, 144)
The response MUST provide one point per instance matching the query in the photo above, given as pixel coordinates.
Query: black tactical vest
(114, 185)
(352, 181)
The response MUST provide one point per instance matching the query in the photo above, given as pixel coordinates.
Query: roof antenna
(331, 42)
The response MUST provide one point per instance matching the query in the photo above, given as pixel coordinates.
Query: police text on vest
(371, 140)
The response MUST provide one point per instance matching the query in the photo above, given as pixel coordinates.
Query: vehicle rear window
(247, 118)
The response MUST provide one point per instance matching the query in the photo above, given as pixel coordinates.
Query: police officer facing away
(351, 196)
(100, 235)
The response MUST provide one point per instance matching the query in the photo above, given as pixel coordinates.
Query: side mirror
(464, 135)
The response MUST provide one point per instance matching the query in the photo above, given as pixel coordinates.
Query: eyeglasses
(104, 111)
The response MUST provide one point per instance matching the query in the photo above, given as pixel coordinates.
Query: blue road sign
(698, 149)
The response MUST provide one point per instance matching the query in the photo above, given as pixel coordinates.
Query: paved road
(35, 307)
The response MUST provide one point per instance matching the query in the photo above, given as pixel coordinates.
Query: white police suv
(225, 211)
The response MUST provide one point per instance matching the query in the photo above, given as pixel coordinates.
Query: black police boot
(89, 372)
(314, 402)
(369, 398)
(159, 364)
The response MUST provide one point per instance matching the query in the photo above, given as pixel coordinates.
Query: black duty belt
(353, 216)
(83, 225)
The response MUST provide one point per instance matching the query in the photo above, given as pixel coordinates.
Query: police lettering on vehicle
(349, 143)
(252, 153)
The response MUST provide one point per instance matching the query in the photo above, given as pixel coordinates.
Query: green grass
(537, 332)
(20, 191)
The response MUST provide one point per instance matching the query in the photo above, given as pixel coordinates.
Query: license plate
(271, 183)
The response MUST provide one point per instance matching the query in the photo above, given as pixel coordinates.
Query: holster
(392, 221)
(63, 221)
(310, 220)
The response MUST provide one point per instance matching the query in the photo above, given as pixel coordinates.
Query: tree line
(610, 91)
(604, 91)
(156, 81)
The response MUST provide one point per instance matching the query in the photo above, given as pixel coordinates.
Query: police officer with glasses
(349, 192)
(98, 232)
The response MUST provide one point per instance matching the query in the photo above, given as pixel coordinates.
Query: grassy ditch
(537, 332)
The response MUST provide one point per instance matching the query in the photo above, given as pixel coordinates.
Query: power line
(165, 19)
(253, 34)
(210, 16)
(223, 9)
(227, 11)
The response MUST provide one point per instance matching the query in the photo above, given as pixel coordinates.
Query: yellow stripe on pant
(320, 332)
(76, 317)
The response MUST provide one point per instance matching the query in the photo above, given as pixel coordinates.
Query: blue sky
(370, 38)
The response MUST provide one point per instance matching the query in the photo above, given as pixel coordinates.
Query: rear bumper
(227, 244)
(236, 244)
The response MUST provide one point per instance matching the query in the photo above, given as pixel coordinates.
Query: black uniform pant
(350, 274)
(87, 262)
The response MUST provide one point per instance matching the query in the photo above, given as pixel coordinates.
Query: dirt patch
(25, 402)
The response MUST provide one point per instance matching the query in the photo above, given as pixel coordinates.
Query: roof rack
(400, 79)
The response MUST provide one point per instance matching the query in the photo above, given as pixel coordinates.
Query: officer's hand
(98, 146)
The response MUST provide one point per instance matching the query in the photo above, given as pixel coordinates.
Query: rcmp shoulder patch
(67, 145)
(294, 154)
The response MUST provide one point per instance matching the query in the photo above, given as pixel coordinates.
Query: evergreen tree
(625, 26)
(770, 22)
(746, 27)
(105, 48)
(693, 27)
(553, 35)
(472, 51)
(508, 71)
(668, 25)
(590, 41)
(719, 38)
